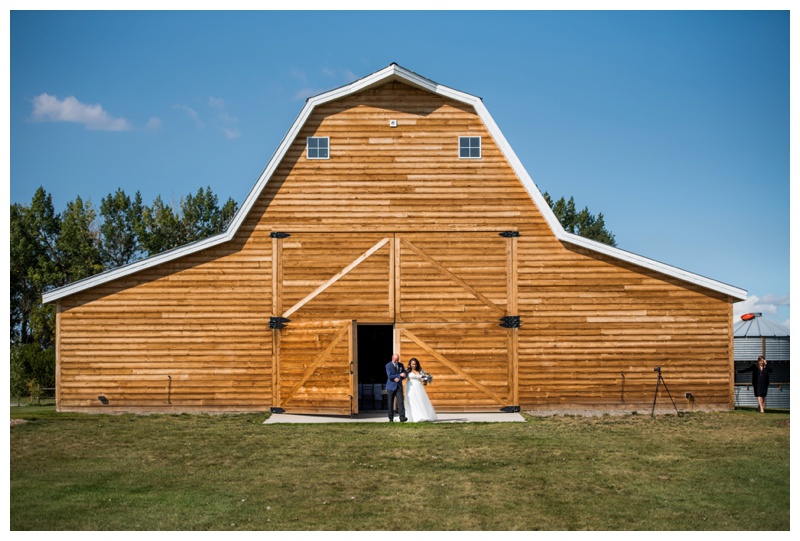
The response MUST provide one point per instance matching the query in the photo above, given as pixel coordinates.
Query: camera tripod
(658, 383)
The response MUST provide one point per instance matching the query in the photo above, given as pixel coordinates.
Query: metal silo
(755, 335)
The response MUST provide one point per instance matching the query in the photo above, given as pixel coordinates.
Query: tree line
(580, 222)
(49, 249)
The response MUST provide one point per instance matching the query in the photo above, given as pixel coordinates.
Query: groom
(394, 387)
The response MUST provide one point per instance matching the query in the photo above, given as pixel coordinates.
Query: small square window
(469, 147)
(318, 148)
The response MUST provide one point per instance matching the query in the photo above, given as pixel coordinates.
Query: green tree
(226, 214)
(161, 228)
(78, 243)
(30, 363)
(36, 266)
(44, 227)
(23, 260)
(197, 217)
(582, 223)
(47, 250)
(202, 217)
(18, 372)
(120, 228)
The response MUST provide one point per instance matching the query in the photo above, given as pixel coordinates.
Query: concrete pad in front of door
(382, 417)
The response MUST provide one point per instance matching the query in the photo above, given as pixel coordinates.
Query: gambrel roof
(394, 72)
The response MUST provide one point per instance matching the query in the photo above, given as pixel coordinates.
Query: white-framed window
(469, 147)
(318, 148)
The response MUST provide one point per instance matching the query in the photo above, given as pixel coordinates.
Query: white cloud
(216, 103)
(154, 124)
(47, 108)
(298, 74)
(768, 304)
(217, 117)
(341, 76)
(782, 300)
(344, 75)
(226, 118)
(191, 113)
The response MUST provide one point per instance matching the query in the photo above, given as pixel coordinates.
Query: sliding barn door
(322, 283)
(451, 296)
(316, 368)
(334, 276)
(454, 295)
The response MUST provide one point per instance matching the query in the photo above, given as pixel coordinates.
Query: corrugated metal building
(755, 335)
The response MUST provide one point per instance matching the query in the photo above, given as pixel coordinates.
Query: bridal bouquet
(425, 377)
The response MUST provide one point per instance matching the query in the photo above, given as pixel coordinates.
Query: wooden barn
(393, 214)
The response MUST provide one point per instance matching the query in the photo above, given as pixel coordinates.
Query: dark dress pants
(401, 408)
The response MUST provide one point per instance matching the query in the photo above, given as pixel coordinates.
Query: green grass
(698, 471)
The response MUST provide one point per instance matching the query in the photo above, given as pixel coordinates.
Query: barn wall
(594, 330)
(203, 319)
(189, 335)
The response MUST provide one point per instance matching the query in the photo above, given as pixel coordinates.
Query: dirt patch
(15, 422)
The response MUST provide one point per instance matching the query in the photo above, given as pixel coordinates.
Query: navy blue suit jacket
(391, 373)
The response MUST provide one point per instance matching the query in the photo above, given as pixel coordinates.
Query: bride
(418, 406)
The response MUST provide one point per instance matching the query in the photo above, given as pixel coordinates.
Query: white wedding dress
(418, 406)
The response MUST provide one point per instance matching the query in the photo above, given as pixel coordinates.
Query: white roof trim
(395, 72)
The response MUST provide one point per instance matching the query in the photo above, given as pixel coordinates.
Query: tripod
(659, 382)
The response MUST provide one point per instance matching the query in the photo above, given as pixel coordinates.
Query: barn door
(456, 302)
(316, 368)
(469, 362)
(333, 276)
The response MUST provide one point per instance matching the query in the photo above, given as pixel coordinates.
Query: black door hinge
(510, 322)
(278, 322)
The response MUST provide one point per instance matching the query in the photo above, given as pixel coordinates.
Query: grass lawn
(230, 472)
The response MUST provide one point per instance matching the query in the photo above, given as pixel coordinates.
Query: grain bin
(756, 335)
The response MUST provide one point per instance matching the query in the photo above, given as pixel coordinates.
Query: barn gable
(461, 258)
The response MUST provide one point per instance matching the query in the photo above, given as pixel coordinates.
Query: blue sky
(674, 124)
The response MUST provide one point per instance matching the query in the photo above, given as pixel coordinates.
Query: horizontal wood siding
(594, 330)
(190, 335)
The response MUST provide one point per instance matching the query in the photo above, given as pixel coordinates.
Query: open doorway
(375, 344)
